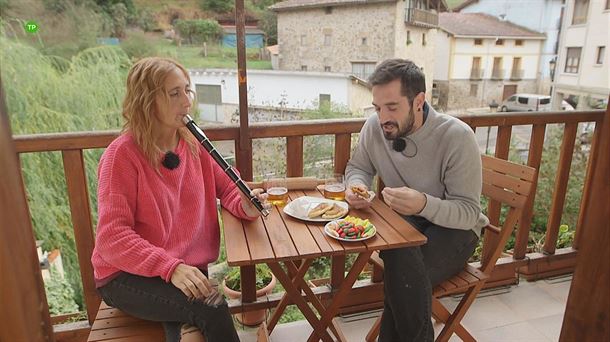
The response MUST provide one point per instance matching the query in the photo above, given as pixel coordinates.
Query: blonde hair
(144, 82)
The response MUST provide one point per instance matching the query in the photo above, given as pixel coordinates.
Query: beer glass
(277, 190)
(334, 187)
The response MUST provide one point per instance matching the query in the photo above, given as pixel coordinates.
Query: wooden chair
(506, 183)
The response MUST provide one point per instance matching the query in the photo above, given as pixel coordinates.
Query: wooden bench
(114, 325)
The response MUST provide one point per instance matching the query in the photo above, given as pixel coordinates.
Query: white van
(526, 103)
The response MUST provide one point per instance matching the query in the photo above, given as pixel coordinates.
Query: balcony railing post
(294, 156)
(502, 148)
(561, 185)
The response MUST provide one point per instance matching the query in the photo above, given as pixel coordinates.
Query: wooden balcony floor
(530, 311)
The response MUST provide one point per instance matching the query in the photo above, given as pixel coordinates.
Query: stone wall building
(354, 36)
(481, 58)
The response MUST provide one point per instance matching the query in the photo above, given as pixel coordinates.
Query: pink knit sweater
(149, 223)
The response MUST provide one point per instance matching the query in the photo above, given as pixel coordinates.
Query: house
(353, 36)
(480, 58)
(255, 38)
(275, 91)
(581, 73)
(537, 15)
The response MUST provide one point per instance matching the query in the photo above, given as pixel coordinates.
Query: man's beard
(399, 133)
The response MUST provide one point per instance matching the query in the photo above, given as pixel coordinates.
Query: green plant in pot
(265, 282)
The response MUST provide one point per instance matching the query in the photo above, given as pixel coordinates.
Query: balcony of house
(476, 74)
(516, 74)
(421, 17)
(497, 74)
(533, 306)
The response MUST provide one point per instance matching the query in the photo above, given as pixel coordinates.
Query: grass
(218, 57)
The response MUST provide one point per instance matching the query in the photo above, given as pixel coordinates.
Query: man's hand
(356, 201)
(247, 205)
(191, 281)
(404, 200)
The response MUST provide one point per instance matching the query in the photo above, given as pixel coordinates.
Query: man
(431, 167)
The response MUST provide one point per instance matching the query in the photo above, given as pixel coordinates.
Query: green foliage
(217, 6)
(263, 277)
(60, 295)
(57, 6)
(198, 31)
(118, 12)
(138, 45)
(268, 24)
(50, 94)
(146, 20)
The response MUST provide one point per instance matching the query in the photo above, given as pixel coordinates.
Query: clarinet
(205, 142)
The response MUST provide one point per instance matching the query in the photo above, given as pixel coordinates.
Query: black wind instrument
(205, 142)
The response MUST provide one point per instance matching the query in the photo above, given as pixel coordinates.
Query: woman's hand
(191, 281)
(247, 205)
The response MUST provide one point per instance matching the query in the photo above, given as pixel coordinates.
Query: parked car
(526, 103)
(566, 106)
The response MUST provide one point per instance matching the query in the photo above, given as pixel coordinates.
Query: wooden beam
(245, 141)
(587, 315)
(24, 312)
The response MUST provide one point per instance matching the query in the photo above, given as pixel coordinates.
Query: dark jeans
(411, 273)
(155, 300)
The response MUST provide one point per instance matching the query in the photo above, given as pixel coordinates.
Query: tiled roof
(300, 4)
(483, 25)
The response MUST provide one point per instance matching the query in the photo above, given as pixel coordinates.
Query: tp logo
(31, 27)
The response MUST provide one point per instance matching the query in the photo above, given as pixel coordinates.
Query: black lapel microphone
(399, 144)
(170, 160)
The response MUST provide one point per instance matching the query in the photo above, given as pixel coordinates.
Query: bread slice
(335, 212)
(319, 209)
(361, 191)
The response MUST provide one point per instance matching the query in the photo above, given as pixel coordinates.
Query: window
(478, 41)
(303, 67)
(327, 38)
(327, 68)
(601, 51)
(511, 99)
(607, 4)
(363, 41)
(544, 100)
(519, 42)
(363, 69)
(475, 71)
(423, 39)
(500, 42)
(409, 37)
(572, 60)
(522, 100)
(497, 72)
(581, 7)
(516, 73)
(303, 39)
(474, 89)
(324, 101)
(328, 10)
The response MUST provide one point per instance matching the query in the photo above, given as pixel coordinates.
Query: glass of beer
(334, 187)
(277, 190)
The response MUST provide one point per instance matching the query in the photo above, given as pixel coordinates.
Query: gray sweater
(445, 166)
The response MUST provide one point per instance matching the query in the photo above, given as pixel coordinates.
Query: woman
(158, 225)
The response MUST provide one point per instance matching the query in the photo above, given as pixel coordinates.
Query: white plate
(301, 206)
(327, 232)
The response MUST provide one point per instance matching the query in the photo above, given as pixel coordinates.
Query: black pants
(155, 300)
(411, 273)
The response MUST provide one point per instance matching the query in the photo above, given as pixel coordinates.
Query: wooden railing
(368, 293)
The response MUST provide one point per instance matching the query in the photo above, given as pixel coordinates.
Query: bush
(217, 6)
(263, 277)
(198, 30)
(146, 20)
(60, 295)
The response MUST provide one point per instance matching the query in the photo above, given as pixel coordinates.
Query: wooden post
(587, 315)
(245, 142)
(24, 312)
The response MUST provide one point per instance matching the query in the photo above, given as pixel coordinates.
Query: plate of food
(316, 209)
(350, 229)
(362, 192)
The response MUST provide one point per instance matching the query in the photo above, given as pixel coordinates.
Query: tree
(198, 30)
(217, 6)
(268, 23)
(118, 13)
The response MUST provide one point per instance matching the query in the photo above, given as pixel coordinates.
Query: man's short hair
(412, 79)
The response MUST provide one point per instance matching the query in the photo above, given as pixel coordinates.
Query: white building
(218, 91)
(537, 15)
(581, 73)
(480, 58)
